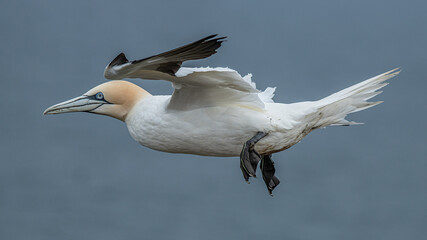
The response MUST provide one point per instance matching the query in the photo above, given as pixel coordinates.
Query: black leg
(249, 158)
(268, 170)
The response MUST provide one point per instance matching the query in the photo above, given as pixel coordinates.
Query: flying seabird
(214, 111)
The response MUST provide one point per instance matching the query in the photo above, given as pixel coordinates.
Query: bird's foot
(268, 170)
(249, 158)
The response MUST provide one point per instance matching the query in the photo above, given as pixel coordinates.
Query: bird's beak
(79, 104)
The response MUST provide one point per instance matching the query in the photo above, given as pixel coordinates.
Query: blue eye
(99, 96)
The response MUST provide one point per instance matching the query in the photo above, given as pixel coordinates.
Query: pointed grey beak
(78, 104)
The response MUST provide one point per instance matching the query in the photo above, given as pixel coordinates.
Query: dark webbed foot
(249, 158)
(268, 170)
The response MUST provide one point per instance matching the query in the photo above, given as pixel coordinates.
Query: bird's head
(113, 98)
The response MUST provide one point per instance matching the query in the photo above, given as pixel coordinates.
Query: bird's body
(214, 111)
(221, 129)
(215, 131)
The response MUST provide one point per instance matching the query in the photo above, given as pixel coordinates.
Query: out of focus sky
(81, 176)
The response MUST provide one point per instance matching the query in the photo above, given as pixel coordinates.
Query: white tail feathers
(333, 109)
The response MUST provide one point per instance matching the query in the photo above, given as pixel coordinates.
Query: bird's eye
(99, 96)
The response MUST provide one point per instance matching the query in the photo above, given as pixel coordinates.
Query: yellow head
(114, 98)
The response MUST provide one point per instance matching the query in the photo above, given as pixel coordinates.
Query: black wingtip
(208, 37)
(212, 42)
(119, 60)
(212, 38)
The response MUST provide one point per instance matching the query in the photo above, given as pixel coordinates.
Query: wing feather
(194, 87)
(165, 63)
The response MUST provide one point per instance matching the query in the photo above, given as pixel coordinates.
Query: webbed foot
(249, 158)
(268, 170)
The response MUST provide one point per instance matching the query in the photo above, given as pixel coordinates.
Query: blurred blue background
(81, 176)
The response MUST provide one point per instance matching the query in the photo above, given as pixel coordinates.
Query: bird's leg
(249, 158)
(268, 170)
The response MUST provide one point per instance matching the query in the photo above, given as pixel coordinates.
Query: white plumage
(216, 121)
(214, 111)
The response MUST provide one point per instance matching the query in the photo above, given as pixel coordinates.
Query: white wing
(194, 87)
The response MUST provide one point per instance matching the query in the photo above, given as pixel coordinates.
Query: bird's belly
(211, 140)
(214, 145)
(209, 132)
(216, 131)
(208, 142)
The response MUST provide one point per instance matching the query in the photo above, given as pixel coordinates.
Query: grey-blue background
(81, 176)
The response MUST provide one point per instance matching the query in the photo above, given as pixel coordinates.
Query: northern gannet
(214, 111)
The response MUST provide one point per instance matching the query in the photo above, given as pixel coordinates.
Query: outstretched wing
(193, 87)
(167, 63)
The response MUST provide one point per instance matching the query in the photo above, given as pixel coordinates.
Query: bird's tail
(333, 109)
